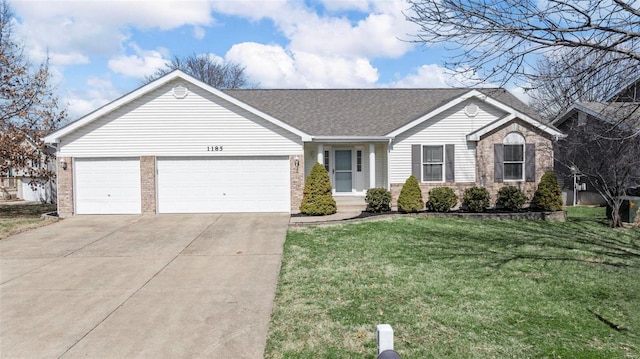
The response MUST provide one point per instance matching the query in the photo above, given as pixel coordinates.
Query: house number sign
(214, 148)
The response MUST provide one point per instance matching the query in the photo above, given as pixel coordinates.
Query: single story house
(178, 145)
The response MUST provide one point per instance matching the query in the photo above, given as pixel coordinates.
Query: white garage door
(39, 192)
(107, 185)
(223, 184)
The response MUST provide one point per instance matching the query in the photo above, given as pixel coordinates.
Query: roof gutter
(347, 139)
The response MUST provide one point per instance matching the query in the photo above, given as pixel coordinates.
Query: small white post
(385, 338)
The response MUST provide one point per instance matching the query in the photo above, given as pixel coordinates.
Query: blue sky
(102, 49)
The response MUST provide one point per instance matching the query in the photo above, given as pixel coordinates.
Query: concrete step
(350, 203)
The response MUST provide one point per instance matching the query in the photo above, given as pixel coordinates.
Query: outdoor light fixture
(63, 163)
(296, 162)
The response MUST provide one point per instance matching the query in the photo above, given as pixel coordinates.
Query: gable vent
(471, 109)
(180, 91)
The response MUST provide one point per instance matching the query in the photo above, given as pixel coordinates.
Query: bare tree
(566, 76)
(605, 150)
(219, 74)
(500, 39)
(28, 108)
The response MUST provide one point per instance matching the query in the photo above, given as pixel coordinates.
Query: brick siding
(64, 180)
(148, 183)
(297, 182)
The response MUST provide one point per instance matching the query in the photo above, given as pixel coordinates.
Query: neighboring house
(177, 145)
(19, 184)
(624, 111)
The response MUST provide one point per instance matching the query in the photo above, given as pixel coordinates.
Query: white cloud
(433, 76)
(100, 27)
(380, 34)
(274, 67)
(97, 93)
(142, 63)
(199, 32)
(341, 5)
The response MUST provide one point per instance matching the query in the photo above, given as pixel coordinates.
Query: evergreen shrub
(476, 199)
(317, 199)
(378, 200)
(441, 199)
(548, 196)
(511, 198)
(410, 199)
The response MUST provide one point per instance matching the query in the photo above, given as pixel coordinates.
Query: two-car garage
(184, 185)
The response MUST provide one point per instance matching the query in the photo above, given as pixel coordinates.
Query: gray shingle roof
(614, 112)
(359, 112)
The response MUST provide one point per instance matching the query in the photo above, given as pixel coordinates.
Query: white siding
(162, 125)
(449, 127)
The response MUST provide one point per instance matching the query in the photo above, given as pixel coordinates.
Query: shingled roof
(359, 112)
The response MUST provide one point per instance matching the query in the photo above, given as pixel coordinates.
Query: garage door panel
(107, 186)
(223, 184)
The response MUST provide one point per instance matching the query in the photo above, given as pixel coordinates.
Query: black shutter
(530, 162)
(498, 162)
(416, 161)
(450, 163)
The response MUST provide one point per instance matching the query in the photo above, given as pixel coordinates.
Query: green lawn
(16, 218)
(456, 288)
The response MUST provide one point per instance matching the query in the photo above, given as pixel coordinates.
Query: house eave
(348, 139)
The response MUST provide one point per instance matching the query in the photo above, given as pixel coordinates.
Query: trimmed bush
(410, 199)
(511, 198)
(441, 199)
(378, 200)
(317, 199)
(548, 196)
(476, 199)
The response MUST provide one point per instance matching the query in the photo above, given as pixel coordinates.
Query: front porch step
(350, 203)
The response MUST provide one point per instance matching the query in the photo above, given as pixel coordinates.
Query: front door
(343, 171)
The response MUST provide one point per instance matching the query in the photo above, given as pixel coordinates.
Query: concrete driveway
(165, 286)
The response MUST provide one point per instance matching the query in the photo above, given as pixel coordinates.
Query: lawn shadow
(502, 242)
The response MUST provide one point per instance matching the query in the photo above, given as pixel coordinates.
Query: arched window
(513, 156)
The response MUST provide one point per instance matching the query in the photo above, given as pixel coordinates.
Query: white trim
(522, 163)
(176, 74)
(372, 165)
(351, 139)
(422, 162)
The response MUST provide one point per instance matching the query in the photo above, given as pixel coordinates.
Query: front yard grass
(16, 218)
(454, 288)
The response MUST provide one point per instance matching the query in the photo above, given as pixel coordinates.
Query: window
(359, 161)
(514, 157)
(432, 163)
(326, 160)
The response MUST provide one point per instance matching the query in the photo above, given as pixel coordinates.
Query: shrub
(378, 200)
(410, 199)
(476, 199)
(548, 196)
(317, 199)
(511, 198)
(441, 199)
